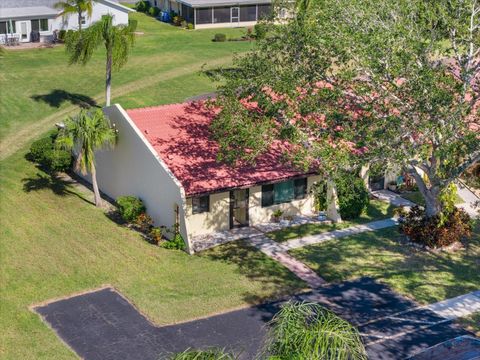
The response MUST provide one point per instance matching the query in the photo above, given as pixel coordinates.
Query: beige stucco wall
(217, 219)
(134, 168)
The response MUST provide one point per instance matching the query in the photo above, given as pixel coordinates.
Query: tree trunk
(108, 82)
(79, 21)
(96, 191)
(431, 195)
(333, 209)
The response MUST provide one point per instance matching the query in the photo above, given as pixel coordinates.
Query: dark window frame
(41, 24)
(300, 190)
(268, 195)
(200, 204)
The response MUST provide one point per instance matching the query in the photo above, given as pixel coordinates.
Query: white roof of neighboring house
(30, 12)
(210, 3)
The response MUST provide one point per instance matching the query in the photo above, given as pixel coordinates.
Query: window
(284, 192)
(204, 16)
(264, 11)
(200, 204)
(221, 15)
(267, 195)
(83, 20)
(40, 25)
(248, 13)
(300, 188)
(5, 27)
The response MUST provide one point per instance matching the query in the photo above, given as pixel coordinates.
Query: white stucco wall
(99, 9)
(134, 168)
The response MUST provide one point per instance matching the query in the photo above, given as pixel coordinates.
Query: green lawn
(417, 198)
(426, 277)
(376, 210)
(53, 243)
(39, 88)
(471, 323)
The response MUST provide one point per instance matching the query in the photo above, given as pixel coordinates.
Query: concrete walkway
(279, 251)
(337, 234)
(470, 200)
(392, 198)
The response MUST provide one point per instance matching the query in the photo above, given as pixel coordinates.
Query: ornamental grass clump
(308, 331)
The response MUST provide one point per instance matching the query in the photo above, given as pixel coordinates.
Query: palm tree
(117, 40)
(302, 331)
(87, 133)
(78, 7)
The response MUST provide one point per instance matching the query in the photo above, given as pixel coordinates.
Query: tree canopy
(350, 82)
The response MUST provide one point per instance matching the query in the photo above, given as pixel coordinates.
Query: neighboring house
(36, 20)
(166, 157)
(218, 13)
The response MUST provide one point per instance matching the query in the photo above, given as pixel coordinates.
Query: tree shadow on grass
(275, 280)
(57, 97)
(58, 185)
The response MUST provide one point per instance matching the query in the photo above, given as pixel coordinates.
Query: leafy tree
(75, 7)
(347, 83)
(118, 41)
(87, 133)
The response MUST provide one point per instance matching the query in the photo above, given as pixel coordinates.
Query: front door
(235, 14)
(24, 31)
(239, 208)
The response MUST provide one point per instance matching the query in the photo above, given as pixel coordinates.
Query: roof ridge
(155, 107)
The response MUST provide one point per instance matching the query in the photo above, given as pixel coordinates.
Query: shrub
(142, 6)
(130, 208)
(39, 149)
(61, 34)
(352, 194)
(177, 20)
(183, 24)
(156, 234)
(44, 153)
(58, 160)
(176, 243)
(220, 38)
(144, 223)
(436, 232)
(260, 31)
(190, 26)
(472, 176)
(154, 11)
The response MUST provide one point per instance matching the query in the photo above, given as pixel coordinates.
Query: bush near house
(130, 207)
(437, 231)
(142, 6)
(353, 197)
(44, 153)
(220, 38)
(154, 11)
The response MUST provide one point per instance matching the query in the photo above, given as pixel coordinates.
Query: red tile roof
(180, 135)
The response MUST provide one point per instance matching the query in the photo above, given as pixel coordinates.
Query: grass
(426, 277)
(54, 242)
(376, 210)
(39, 87)
(417, 198)
(471, 323)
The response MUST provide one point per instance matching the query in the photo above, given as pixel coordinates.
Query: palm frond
(309, 331)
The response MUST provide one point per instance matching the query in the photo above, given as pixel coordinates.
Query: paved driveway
(103, 325)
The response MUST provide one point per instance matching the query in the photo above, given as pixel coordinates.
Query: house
(218, 13)
(36, 20)
(165, 155)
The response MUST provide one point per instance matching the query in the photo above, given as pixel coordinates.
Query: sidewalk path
(337, 234)
(392, 198)
(470, 199)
